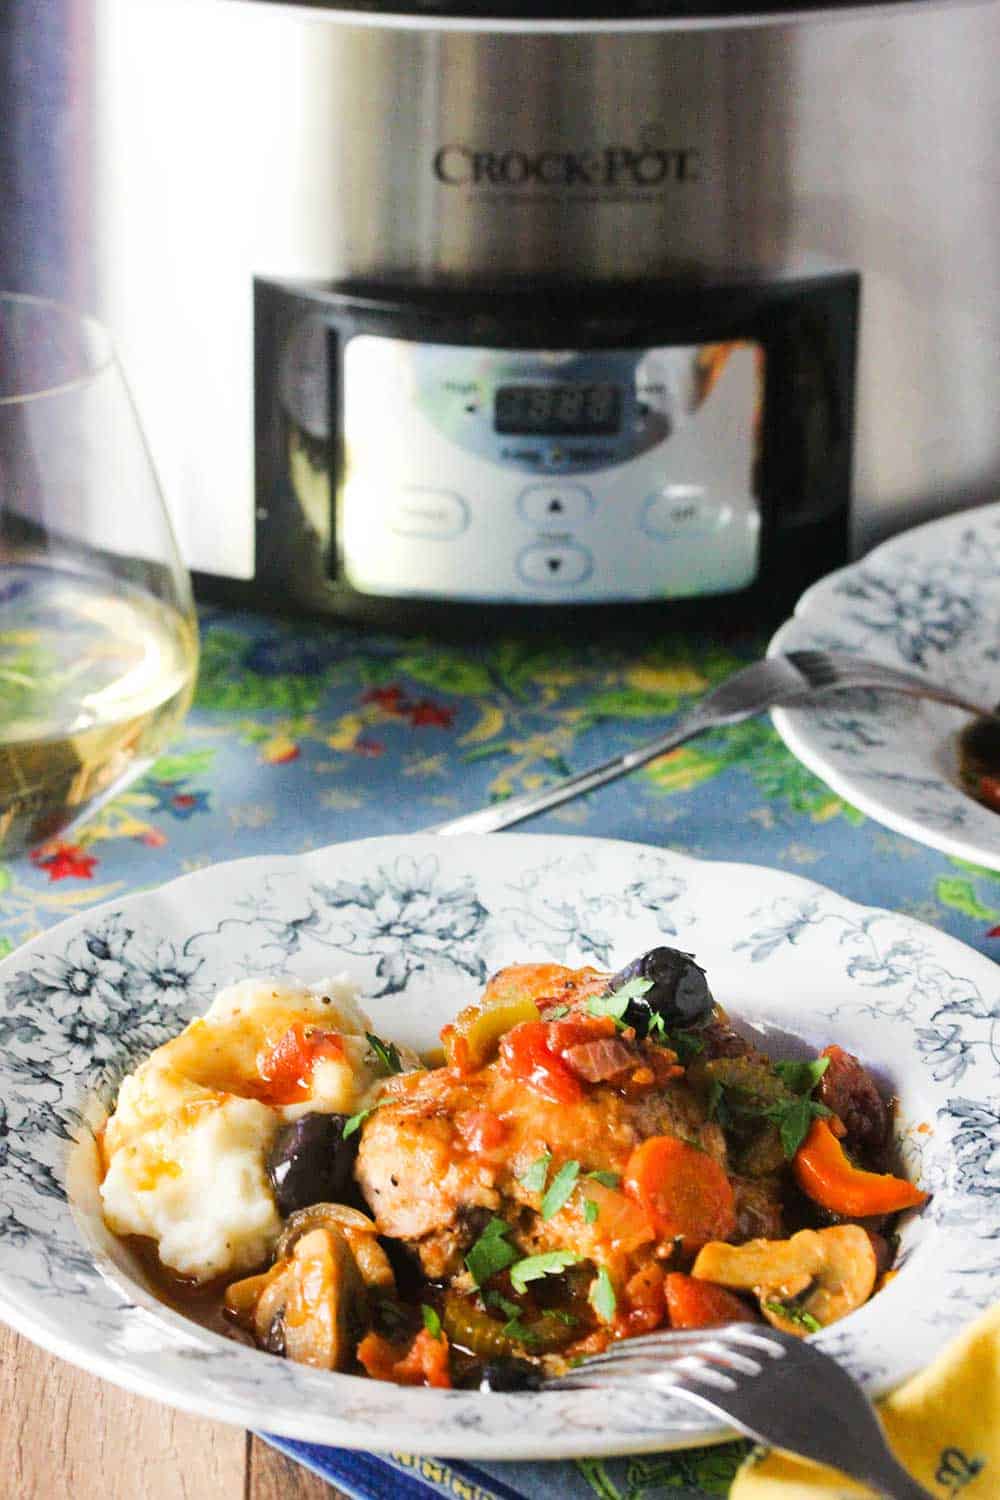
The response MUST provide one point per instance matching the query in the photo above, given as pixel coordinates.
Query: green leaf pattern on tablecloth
(329, 700)
(697, 1471)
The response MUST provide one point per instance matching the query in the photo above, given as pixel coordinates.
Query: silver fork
(793, 680)
(771, 1386)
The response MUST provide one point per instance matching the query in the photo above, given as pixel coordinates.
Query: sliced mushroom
(312, 1305)
(786, 1266)
(814, 1278)
(358, 1230)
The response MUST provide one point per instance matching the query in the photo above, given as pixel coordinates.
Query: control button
(680, 510)
(434, 514)
(555, 504)
(558, 566)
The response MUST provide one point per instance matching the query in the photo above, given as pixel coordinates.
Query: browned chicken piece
(442, 1152)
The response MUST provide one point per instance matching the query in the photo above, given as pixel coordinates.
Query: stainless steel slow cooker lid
(591, 15)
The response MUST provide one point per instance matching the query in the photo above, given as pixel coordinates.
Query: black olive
(679, 991)
(310, 1162)
(980, 743)
(510, 1375)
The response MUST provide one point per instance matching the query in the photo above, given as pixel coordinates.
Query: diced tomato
(684, 1191)
(286, 1068)
(645, 1305)
(481, 1130)
(573, 1031)
(378, 1356)
(701, 1304)
(426, 1362)
(526, 1055)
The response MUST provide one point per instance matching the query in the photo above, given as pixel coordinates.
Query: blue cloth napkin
(692, 1475)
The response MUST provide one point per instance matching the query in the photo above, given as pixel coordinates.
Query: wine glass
(98, 640)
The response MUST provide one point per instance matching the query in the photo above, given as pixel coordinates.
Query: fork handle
(516, 809)
(875, 1465)
(888, 1477)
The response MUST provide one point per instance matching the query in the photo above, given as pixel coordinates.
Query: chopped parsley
(802, 1077)
(534, 1267)
(617, 1003)
(602, 1295)
(793, 1314)
(606, 1179)
(520, 1332)
(533, 1180)
(687, 1044)
(491, 1252)
(432, 1321)
(560, 1188)
(502, 1304)
(356, 1121)
(793, 1118)
(385, 1052)
(590, 1211)
(779, 1093)
(513, 1328)
(535, 1333)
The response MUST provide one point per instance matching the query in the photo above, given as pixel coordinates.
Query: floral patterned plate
(928, 599)
(420, 921)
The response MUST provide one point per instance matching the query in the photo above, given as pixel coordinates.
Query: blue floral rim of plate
(419, 921)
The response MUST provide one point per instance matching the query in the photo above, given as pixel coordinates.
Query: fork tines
(701, 1354)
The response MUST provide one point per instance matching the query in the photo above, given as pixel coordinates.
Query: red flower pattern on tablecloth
(421, 712)
(64, 860)
(426, 712)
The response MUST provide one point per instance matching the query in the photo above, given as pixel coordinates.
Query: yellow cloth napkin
(944, 1425)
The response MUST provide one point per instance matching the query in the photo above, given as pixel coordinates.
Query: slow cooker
(463, 309)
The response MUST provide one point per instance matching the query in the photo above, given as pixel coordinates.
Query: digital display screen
(558, 410)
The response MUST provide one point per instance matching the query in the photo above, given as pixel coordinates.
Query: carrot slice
(827, 1176)
(426, 1362)
(684, 1191)
(701, 1304)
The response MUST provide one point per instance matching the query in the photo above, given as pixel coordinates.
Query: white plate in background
(929, 601)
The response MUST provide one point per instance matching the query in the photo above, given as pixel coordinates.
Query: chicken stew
(593, 1157)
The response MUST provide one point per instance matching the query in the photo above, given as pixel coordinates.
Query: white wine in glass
(98, 641)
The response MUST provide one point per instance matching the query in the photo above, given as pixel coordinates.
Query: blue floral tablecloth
(304, 735)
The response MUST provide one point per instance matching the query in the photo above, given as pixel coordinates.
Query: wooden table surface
(65, 1434)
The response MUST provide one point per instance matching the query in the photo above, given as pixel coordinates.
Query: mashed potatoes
(186, 1148)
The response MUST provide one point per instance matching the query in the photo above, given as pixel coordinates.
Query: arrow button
(570, 504)
(555, 566)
